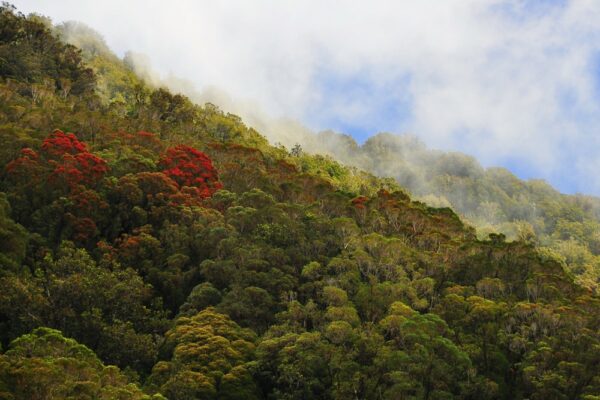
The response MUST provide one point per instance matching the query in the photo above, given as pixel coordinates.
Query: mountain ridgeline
(153, 248)
(492, 200)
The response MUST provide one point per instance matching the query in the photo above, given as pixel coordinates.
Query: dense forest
(492, 199)
(152, 248)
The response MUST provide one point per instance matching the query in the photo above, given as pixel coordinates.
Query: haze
(514, 83)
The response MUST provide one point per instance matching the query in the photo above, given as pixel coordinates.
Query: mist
(513, 83)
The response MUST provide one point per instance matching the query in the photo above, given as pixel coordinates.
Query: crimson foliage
(64, 157)
(190, 167)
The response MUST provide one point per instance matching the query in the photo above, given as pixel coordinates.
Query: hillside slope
(165, 249)
(567, 227)
(492, 199)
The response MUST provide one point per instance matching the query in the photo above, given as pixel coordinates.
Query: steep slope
(492, 199)
(176, 243)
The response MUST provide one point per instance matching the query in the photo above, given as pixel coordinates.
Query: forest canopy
(154, 248)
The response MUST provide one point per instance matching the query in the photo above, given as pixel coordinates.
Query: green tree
(210, 357)
(46, 365)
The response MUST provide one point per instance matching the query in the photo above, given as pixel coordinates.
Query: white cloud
(497, 79)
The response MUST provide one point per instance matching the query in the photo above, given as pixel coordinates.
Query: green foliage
(13, 239)
(493, 199)
(30, 53)
(301, 278)
(211, 358)
(104, 306)
(44, 364)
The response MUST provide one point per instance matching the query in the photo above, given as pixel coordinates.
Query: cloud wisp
(514, 83)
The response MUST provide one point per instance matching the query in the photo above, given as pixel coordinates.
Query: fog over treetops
(491, 199)
(513, 83)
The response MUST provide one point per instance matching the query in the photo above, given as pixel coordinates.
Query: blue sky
(515, 83)
(341, 106)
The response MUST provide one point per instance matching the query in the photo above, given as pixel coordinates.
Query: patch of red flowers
(71, 160)
(192, 168)
(59, 143)
(62, 158)
(359, 202)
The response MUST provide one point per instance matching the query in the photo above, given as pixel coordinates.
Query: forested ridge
(490, 199)
(153, 248)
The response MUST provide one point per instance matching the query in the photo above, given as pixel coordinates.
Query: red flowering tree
(59, 143)
(62, 158)
(26, 169)
(72, 161)
(360, 207)
(359, 202)
(58, 182)
(192, 168)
